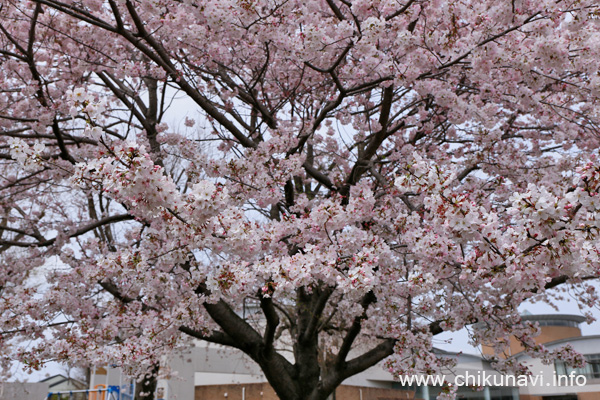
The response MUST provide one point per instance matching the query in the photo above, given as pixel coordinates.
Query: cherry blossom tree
(370, 173)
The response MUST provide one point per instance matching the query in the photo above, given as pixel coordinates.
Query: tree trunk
(146, 388)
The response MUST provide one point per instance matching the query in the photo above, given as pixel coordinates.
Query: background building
(210, 372)
(41, 390)
(558, 381)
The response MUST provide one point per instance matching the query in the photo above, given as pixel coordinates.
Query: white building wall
(546, 383)
(23, 391)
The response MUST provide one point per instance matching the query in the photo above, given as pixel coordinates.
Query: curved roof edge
(546, 317)
(561, 341)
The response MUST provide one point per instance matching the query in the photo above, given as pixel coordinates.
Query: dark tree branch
(362, 164)
(354, 330)
(400, 11)
(216, 337)
(368, 359)
(319, 301)
(336, 10)
(272, 319)
(78, 232)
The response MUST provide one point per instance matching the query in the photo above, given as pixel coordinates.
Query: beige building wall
(370, 393)
(263, 391)
(588, 396)
(548, 334)
(250, 391)
(580, 396)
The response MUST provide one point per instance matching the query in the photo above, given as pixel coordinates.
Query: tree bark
(146, 388)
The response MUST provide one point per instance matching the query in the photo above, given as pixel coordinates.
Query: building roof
(449, 353)
(55, 380)
(527, 316)
(562, 341)
(548, 317)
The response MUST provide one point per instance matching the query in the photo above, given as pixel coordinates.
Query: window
(590, 371)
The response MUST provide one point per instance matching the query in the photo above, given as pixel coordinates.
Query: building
(58, 383)
(210, 372)
(23, 390)
(558, 381)
(43, 389)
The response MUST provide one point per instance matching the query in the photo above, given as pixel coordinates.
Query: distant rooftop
(547, 320)
(554, 317)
